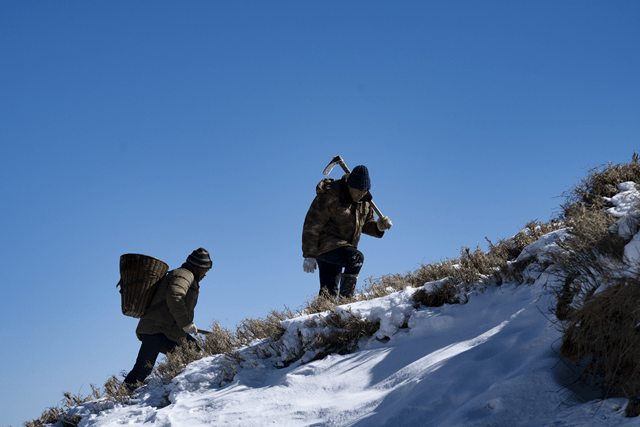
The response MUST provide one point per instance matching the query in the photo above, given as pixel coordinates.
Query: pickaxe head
(337, 160)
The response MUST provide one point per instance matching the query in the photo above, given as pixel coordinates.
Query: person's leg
(151, 346)
(329, 277)
(348, 257)
(355, 260)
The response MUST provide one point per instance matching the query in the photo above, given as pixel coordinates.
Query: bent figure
(338, 215)
(169, 319)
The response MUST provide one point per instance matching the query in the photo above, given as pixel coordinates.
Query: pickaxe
(337, 160)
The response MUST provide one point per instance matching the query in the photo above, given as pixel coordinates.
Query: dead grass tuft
(255, 329)
(220, 341)
(604, 334)
(591, 259)
(597, 305)
(318, 304)
(60, 414)
(342, 333)
(446, 293)
(600, 182)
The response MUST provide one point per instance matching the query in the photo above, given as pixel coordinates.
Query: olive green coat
(172, 306)
(334, 220)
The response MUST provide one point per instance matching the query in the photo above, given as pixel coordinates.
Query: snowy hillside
(490, 362)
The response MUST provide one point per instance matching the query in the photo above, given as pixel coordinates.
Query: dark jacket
(334, 220)
(172, 306)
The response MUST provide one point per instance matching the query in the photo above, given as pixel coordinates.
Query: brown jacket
(172, 306)
(334, 220)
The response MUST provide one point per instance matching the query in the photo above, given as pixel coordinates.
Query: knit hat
(200, 258)
(359, 178)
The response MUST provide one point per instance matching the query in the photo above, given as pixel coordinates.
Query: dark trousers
(151, 347)
(330, 265)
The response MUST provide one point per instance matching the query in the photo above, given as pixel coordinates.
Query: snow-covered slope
(490, 362)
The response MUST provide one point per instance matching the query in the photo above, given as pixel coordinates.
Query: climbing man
(168, 322)
(340, 212)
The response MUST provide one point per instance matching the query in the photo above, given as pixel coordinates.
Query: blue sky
(159, 127)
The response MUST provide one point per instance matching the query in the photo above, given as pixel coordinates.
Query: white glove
(309, 265)
(384, 223)
(191, 328)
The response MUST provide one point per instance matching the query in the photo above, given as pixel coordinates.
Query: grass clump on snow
(597, 303)
(453, 278)
(600, 182)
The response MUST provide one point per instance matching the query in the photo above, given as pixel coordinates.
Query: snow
(626, 201)
(543, 247)
(490, 362)
(625, 207)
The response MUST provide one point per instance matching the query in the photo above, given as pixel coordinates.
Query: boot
(348, 285)
(633, 407)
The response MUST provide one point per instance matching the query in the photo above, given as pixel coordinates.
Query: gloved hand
(384, 223)
(309, 265)
(191, 328)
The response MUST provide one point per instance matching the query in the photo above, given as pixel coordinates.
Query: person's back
(172, 307)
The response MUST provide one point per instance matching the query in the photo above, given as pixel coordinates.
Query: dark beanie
(359, 178)
(200, 258)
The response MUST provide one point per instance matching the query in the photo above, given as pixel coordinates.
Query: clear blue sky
(158, 127)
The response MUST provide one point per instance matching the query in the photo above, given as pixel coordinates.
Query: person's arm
(176, 296)
(371, 225)
(317, 217)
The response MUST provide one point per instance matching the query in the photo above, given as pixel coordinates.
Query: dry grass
(341, 333)
(597, 308)
(603, 335)
(600, 182)
(446, 293)
(591, 258)
(221, 341)
(254, 329)
(60, 414)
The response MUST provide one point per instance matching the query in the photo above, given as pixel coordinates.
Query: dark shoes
(348, 285)
(633, 407)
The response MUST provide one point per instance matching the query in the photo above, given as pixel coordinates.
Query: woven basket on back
(139, 277)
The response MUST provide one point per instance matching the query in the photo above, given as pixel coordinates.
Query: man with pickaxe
(340, 212)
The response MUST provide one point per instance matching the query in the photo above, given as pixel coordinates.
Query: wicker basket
(139, 277)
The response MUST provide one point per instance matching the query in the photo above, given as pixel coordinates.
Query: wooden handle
(343, 165)
(375, 208)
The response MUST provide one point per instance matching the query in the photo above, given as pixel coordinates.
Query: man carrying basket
(169, 319)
